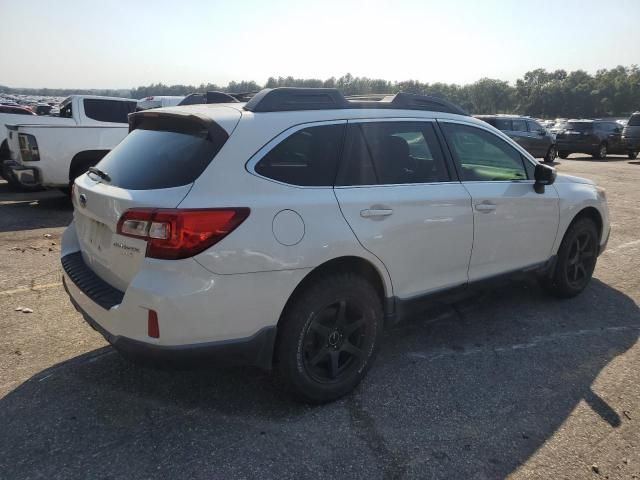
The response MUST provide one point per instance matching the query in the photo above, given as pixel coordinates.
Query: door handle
(485, 207)
(375, 212)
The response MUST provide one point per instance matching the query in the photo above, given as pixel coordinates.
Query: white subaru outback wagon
(288, 230)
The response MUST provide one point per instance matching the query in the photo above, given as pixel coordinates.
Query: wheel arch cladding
(593, 214)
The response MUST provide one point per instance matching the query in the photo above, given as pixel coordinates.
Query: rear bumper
(254, 350)
(574, 146)
(230, 318)
(632, 143)
(25, 176)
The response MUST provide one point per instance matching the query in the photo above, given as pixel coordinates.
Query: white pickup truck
(52, 154)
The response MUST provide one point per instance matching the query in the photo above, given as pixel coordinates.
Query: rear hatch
(576, 130)
(153, 167)
(632, 128)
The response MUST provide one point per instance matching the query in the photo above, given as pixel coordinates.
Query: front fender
(575, 198)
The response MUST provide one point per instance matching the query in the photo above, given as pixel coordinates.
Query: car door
(538, 138)
(514, 226)
(614, 137)
(520, 134)
(400, 198)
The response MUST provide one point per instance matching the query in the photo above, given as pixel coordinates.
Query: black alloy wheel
(335, 341)
(581, 260)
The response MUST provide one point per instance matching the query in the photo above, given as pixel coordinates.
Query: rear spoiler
(189, 123)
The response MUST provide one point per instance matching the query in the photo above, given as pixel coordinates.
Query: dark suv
(631, 135)
(531, 136)
(595, 137)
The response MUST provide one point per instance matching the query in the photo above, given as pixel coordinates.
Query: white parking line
(35, 288)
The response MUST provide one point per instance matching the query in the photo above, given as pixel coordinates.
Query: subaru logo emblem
(83, 200)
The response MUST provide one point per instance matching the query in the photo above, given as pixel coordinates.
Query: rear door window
(503, 124)
(149, 159)
(391, 153)
(308, 157)
(519, 125)
(113, 111)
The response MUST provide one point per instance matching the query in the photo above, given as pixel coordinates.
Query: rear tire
(551, 154)
(601, 152)
(576, 260)
(632, 155)
(563, 155)
(329, 336)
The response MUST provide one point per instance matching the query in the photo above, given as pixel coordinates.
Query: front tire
(329, 336)
(551, 154)
(576, 260)
(632, 155)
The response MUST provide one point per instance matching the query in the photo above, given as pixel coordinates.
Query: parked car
(158, 101)
(16, 110)
(43, 109)
(54, 154)
(290, 230)
(631, 135)
(532, 136)
(595, 137)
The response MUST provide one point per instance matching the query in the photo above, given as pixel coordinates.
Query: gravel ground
(508, 383)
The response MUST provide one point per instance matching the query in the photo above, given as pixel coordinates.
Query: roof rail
(220, 97)
(286, 99)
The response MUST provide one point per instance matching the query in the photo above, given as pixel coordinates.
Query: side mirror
(542, 133)
(544, 174)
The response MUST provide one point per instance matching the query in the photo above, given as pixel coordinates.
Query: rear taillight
(172, 234)
(28, 148)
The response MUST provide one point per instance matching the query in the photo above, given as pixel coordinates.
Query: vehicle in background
(43, 109)
(215, 97)
(158, 101)
(546, 123)
(527, 132)
(597, 138)
(16, 110)
(631, 135)
(558, 126)
(54, 154)
(288, 231)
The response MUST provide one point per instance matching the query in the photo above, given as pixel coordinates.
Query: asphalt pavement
(507, 383)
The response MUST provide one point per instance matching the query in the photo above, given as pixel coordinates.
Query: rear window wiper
(103, 175)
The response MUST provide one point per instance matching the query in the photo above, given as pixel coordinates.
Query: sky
(125, 44)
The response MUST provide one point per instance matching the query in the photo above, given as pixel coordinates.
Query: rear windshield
(634, 121)
(151, 159)
(579, 126)
(114, 111)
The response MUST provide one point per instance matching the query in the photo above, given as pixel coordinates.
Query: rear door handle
(375, 212)
(485, 207)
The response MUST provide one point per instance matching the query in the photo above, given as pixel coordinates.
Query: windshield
(579, 126)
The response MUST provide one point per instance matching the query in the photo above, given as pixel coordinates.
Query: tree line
(539, 93)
